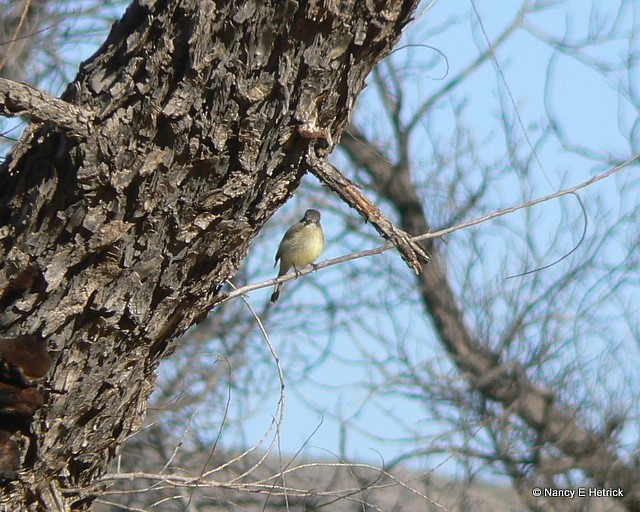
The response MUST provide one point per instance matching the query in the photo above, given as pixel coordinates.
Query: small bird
(301, 244)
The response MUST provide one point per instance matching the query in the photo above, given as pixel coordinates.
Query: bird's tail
(276, 293)
(276, 288)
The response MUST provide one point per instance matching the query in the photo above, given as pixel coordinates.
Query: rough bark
(113, 243)
(505, 382)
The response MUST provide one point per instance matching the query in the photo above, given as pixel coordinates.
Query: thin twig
(23, 17)
(426, 236)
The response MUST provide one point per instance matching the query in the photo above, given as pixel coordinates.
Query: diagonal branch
(22, 100)
(411, 252)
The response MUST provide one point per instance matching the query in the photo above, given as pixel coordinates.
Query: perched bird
(301, 244)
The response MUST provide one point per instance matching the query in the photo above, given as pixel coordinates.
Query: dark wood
(115, 242)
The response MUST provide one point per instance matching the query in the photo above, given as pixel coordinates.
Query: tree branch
(347, 190)
(22, 100)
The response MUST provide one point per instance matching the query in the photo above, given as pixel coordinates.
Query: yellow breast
(303, 248)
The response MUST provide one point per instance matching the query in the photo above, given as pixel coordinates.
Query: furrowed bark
(115, 242)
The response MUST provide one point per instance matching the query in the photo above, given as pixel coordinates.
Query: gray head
(311, 217)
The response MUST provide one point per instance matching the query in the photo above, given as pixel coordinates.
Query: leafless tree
(536, 381)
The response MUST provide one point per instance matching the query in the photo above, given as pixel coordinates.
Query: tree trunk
(117, 236)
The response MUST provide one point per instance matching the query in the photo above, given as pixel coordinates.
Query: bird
(301, 244)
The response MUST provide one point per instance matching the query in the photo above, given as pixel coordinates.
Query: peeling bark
(203, 114)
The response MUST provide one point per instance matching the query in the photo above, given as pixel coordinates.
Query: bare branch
(22, 100)
(347, 190)
(427, 236)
